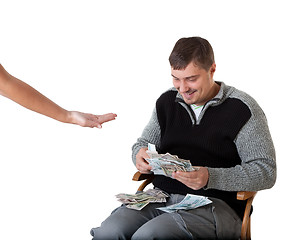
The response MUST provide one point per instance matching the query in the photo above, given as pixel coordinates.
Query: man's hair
(190, 49)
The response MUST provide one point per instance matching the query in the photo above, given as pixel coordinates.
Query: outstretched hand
(90, 120)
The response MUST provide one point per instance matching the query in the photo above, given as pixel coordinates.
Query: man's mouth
(188, 95)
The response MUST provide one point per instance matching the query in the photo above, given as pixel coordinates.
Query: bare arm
(30, 98)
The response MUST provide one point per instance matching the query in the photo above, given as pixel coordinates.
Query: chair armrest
(141, 176)
(244, 195)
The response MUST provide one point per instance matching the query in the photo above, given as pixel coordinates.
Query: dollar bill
(190, 201)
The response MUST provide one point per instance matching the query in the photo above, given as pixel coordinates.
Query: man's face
(195, 84)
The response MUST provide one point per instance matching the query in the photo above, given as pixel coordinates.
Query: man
(216, 127)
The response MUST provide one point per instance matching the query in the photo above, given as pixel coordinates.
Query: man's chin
(189, 98)
(188, 101)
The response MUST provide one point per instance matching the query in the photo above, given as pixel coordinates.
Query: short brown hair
(191, 49)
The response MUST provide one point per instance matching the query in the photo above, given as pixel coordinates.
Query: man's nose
(183, 87)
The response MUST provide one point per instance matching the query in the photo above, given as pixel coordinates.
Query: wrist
(66, 116)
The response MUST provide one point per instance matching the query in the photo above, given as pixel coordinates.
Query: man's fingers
(184, 176)
(141, 164)
(195, 180)
(143, 168)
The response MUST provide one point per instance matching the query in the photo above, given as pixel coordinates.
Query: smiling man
(218, 128)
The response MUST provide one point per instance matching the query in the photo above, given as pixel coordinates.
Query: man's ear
(212, 70)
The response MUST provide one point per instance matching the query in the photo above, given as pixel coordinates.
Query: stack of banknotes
(140, 200)
(166, 164)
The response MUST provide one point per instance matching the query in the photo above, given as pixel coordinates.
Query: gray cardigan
(257, 170)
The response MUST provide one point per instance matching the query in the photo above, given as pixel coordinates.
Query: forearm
(254, 176)
(28, 97)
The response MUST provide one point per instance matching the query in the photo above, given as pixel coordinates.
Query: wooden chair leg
(246, 222)
(140, 177)
(248, 232)
(144, 184)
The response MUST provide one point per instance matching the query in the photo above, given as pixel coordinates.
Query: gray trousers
(214, 221)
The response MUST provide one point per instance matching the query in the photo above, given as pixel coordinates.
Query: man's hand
(141, 164)
(195, 179)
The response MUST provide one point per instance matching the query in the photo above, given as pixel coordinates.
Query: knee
(141, 234)
(107, 233)
(165, 227)
(97, 233)
(150, 233)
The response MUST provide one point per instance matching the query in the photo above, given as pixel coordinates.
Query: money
(190, 201)
(166, 164)
(140, 200)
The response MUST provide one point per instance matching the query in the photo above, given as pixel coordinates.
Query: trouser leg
(214, 221)
(123, 222)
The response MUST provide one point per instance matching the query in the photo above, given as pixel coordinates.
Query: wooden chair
(249, 196)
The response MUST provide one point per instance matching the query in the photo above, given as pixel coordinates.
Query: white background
(57, 181)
